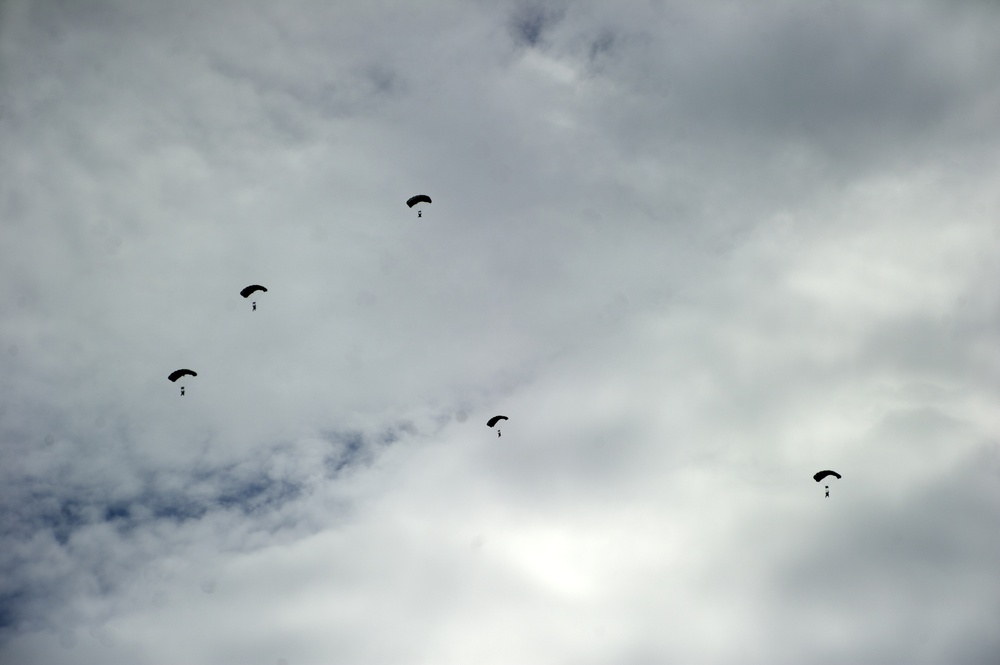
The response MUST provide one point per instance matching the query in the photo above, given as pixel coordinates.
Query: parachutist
(246, 292)
(494, 420)
(419, 198)
(827, 488)
(178, 373)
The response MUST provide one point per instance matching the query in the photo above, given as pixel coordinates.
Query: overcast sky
(695, 251)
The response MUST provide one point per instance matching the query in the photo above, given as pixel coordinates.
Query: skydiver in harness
(255, 305)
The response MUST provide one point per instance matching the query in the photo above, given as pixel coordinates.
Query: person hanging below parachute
(253, 288)
(494, 420)
(820, 475)
(178, 373)
(419, 198)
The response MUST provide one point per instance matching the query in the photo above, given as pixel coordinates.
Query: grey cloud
(530, 22)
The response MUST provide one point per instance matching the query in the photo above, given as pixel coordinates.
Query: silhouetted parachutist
(820, 475)
(176, 374)
(255, 306)
(494, 420)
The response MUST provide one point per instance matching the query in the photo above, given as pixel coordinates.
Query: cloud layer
(695, 253)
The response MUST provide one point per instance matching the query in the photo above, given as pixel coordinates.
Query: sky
(696, 252)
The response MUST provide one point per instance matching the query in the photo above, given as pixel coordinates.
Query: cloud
(695, 253)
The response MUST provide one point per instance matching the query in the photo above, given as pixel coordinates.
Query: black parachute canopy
(823, 474)
(252, 288)
(419, 198)
(494, 420)
(178, 373)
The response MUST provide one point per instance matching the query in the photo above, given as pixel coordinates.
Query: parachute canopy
(823, 474)
(494, 420)
(251, 289)
(419, 198)
(176, 374)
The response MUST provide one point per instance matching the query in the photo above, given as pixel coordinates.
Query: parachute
(419, 198)
(494, 420)
(178, 373)
(820, 475)
(251, 289)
